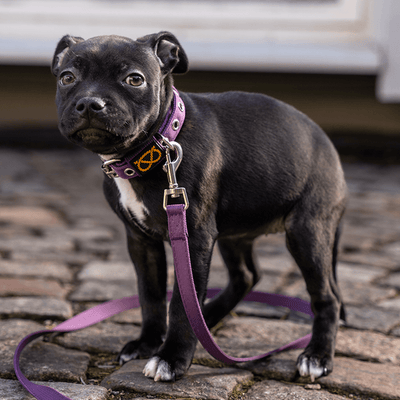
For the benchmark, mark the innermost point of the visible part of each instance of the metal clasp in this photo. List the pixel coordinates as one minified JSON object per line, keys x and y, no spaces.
{"x":108,"y":170}
{"x":170,"y":167}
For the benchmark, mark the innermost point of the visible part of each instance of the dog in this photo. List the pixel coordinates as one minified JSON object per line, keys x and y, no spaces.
{"x":252,"y":166}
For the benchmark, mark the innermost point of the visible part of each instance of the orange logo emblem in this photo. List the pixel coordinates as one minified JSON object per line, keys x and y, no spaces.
{"x":148,"y":159}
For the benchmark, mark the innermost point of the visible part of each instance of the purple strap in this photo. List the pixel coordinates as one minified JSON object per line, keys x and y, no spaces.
{"x":180,"y":247}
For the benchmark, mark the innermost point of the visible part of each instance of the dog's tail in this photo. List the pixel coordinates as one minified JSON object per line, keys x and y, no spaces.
{"x":334,"y":263}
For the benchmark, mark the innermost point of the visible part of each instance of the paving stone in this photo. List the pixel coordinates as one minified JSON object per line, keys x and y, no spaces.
{"x":349,"y":376}
{"x":102,"y":250}
{"x":358,"y":273}
{"x":251,"y":309}
{"x":357,"y":293}
{"x":13,"y":390}
{"x":14,"y":231}
{"x":372,"y":318}
{"x":380,"y":260}
{"x":133,"y":316}
{"x":17,"y":329}
{"x":97,"y":234}
{"x":296,"y":289}
{"x":38,"y":245}
{"x":36,"y":269}
{"x":248,"y":336}
{"x":278,"y":264}
{"x":107,"y":271}
{"x":31,"y":287}
{"x":273,"y":390}
{"x":44,"y":361}
{"x":30,"y":216}
{"x":103,"y":291}
{"x":35,"y":307}
{"x":218,"y":277}
{"x":75,"y":259}
{"x":392,"y":280}
{"x":393,"y":304}
{"x":392,"y":249}
{"x":366,"y":345}
{"x":198,"y":383}
{"x":353,"y":283}
{"x":396,"y":331}
{"x":271,"y":245}
{"x":269,"y":283}
{"x":357,"y":238}
{"x":280,"y":366}
{"x":105,"y":337}
{"x":370,"y":379}
{"x":372,"y":178}
{"x":216,"y":259}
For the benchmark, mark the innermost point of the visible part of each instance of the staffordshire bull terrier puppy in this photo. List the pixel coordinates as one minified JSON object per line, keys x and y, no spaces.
{"x":252,"y":166}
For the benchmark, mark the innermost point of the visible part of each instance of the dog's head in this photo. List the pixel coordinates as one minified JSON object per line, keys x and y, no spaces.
{"x":113,"y":90}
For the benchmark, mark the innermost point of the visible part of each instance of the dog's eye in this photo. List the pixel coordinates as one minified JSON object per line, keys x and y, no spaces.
{"x":134,"y":80}
{"x":67,"y":79}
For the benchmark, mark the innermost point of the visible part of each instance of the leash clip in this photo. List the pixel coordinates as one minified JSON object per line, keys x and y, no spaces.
{"x":170,"y":167}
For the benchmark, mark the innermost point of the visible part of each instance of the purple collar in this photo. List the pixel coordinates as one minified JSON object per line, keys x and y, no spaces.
{"x":145,"y":159}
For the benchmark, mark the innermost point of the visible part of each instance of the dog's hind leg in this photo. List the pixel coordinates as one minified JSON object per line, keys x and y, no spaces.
{"x":312,"y":240}
{"x":243,"y":275}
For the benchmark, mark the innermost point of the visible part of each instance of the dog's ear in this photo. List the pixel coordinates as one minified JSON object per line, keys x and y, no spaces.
{"x":61,"y":50}
{"x":170,"y":54}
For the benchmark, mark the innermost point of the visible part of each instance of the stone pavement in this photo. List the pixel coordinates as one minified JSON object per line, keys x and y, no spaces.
{"x":62,"y":250}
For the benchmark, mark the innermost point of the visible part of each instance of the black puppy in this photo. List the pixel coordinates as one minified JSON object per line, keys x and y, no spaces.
{"x":252,"y":165}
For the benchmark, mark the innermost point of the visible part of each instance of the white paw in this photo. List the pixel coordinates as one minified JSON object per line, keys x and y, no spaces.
{"x":158,"y":369}
{"x":311,"y":368}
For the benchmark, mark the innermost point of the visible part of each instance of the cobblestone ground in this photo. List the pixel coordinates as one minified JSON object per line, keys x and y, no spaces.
{"x":62,"y":250}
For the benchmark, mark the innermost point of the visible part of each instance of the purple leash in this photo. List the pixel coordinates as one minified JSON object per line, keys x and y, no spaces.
{"x":180,"y":247}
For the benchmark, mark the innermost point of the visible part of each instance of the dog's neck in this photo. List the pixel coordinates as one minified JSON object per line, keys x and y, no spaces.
{"x":144,"y":158}
{"x":166,"y":98}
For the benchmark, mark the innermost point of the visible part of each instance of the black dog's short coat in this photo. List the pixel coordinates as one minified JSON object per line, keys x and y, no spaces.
{"x":252,"y":165}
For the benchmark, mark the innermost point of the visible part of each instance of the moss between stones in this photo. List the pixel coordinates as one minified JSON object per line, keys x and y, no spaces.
{"x":241,"y":389}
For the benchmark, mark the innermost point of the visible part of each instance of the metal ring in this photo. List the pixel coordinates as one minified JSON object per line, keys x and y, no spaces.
{"x":129,"y":171}
{"x":181,"y":106}
{"x":175,"y":124}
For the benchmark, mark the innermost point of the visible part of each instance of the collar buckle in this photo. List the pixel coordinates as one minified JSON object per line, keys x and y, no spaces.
{"x":106,"y":167}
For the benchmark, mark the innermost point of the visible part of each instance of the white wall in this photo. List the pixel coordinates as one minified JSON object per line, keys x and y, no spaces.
{"x":342,"y":36}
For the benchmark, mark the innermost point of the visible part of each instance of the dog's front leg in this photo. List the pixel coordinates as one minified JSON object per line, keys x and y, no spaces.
{"x":175,"y":356}
{"x":148,"y":256}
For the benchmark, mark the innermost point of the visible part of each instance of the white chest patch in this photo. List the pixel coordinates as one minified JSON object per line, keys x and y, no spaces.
{"x":129,"y":200}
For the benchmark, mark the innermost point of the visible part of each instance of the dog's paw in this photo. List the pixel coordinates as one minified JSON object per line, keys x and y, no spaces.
{"x":314,"y":366}
{"x":159,"y":370}
{"x":137,"y":349}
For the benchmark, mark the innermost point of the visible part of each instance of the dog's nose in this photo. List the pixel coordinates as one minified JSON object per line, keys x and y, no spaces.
{"x":90,"y":104}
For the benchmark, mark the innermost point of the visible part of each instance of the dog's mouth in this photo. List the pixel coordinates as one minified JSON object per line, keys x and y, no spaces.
{"x":101,"y":141}
{"x":97,"y":140}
